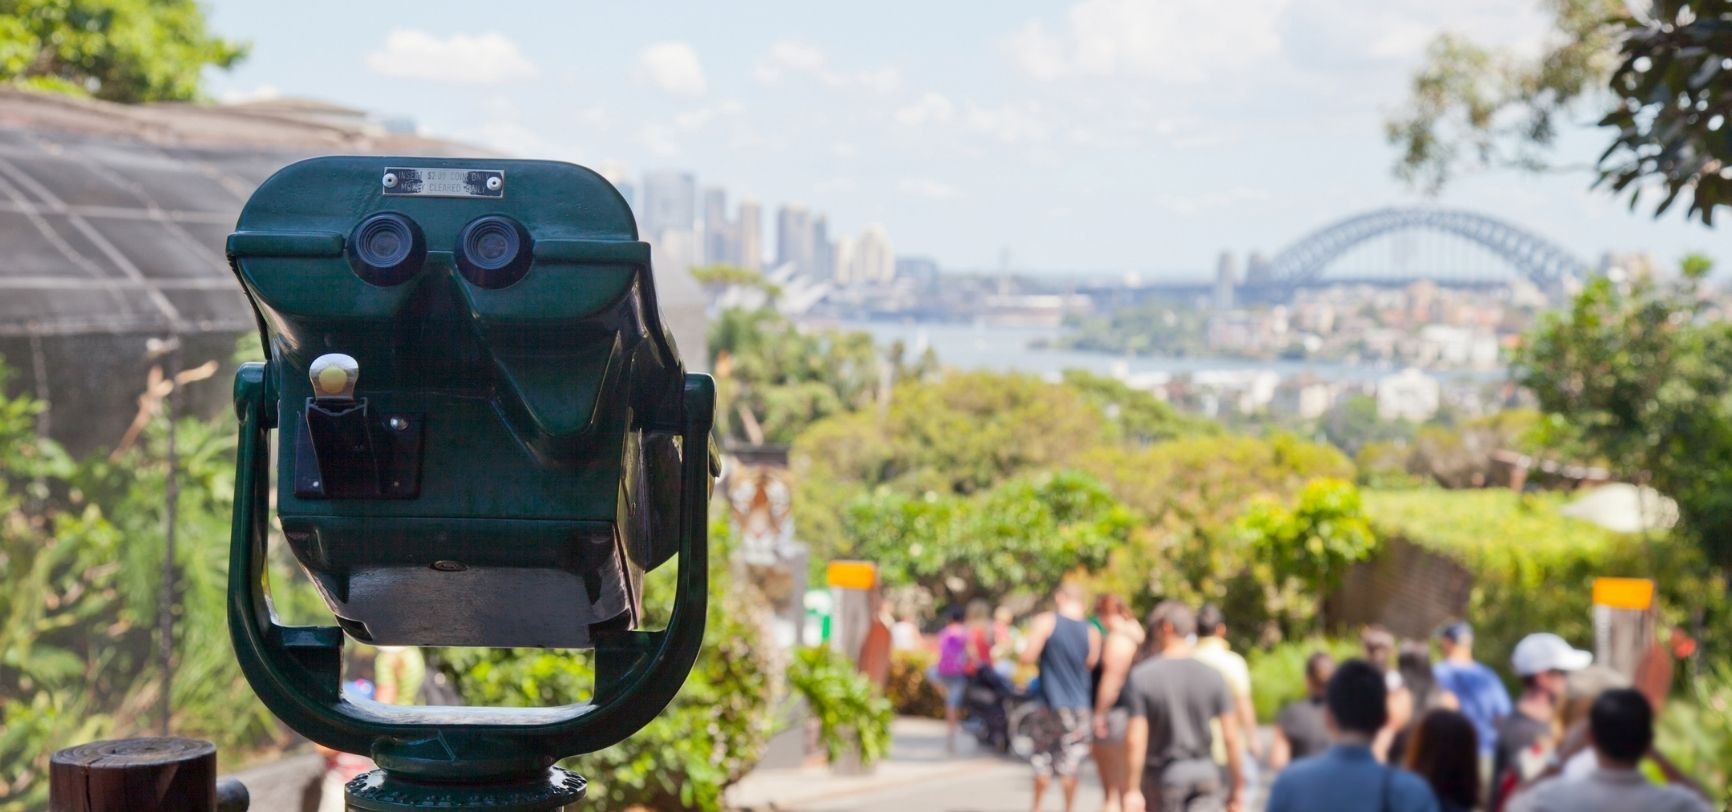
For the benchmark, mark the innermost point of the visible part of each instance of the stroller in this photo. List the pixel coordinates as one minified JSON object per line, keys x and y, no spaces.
{"x":992,"y":706}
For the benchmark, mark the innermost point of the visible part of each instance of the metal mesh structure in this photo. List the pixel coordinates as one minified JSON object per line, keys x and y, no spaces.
{"x":112,"y":222}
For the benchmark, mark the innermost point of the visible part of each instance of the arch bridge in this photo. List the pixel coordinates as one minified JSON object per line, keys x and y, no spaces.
{"x":1546,"y":264}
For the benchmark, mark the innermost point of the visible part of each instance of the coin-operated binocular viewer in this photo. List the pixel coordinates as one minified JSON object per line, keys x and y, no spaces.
{"x":484,"y":438}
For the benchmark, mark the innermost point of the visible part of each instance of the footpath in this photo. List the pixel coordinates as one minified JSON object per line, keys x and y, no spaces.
{"x":918,"y":776}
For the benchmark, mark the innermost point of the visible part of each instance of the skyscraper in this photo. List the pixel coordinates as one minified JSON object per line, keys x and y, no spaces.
{"x":669,"y":203}
{"x":718,"y":232}
{"x":842,"y":261}
{"x":749,"y":236}
{"x":1226,"y":281}
{"x":874,"y":261}
{"x":794,"y":238}
{"x":822,"y":266}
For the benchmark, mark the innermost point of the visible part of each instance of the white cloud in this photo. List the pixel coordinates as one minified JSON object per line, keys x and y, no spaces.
{"x":928,"y":188}
{"x":788,"y":56}
{"x":1349,"y":34}
{"x":844,"y":149}
{"x":673,"y":67}
{"x":1168,"y":41}
{"x":931,"y":107}
{"x":462,"y":59}
{"x":794,"y":58}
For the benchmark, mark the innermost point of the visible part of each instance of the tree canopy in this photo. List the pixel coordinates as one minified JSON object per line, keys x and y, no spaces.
{"x":1659,"y":80}
{"x":1636,"y":374}
{"x":1025,"y":535}
{"x":118,"y":50}
{"x":775,"y":379}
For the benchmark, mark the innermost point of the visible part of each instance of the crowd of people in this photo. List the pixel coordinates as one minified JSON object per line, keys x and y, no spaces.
{"x":1163,"y":708}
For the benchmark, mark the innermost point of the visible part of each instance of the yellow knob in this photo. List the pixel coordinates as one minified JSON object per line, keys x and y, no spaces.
{"x":333,"y":376}
{"x":333,"y":381}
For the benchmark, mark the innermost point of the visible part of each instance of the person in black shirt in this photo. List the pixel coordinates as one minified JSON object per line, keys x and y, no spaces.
{"x":1299,"y":729}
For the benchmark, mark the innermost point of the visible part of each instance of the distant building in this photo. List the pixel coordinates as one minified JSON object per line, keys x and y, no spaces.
{"x":669,"y":203}
{"x":1408,"y":395}
{"x":749,"y":236}
{"x":842,"y":261}
{"x":794,"y":238}
{"x":874,"y":261}
{"x":922,"y":271}
{"x":1305,"y":397}
{"x":1257,"y":270}
{"x":719,"y":240}
{"x":1226,"y":279}
{"x":822,"y":267}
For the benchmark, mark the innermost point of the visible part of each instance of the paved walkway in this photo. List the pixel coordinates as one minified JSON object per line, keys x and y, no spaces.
{"x":919,"y":776}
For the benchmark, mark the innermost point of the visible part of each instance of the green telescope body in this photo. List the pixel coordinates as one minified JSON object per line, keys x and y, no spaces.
{"x":484,"y":436}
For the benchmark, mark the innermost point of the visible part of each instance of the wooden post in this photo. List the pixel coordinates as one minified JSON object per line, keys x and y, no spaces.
{"x":134,"y":775}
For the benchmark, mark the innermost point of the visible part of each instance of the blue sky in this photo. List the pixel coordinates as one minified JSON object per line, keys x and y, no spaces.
{"x":1106,"y":135}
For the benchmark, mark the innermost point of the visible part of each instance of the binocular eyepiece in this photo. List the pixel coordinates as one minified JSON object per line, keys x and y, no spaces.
{"x":492,"y":251}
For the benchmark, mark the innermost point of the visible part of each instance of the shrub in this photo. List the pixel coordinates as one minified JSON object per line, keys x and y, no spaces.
{"x":81,"y":545}
{"x":1278,"y":672}
{"x":909,"y":691}
{"x":709,"y":737}
{"x":1533,"y":568}
{"x":851,"y":716}
{"x":1021,"y":536}
{"x":1695,"y":730}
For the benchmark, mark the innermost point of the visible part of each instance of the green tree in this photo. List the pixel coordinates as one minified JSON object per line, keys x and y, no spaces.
{"x":1153,"y":328}
{"x":1658,"y":81}
{"x":80,"y":589}
{"x":1354,"y":423}
{"x":118,"y":50}
{"x":1641,"y":379}
{"x":1136,"y":416}
{"x":1021,"y":536}
{"x":774,"y":379}
{"x":957,"y":435}
{"x":1303,"y":551}
{"x":1186,"y":495}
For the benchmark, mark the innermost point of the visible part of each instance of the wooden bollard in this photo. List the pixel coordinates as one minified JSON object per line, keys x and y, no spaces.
{"x":134,"y":775}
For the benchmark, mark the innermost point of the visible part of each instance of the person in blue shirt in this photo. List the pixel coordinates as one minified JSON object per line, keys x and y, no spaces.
{"x":1479,"y":693}
{"x":1347,"y":777}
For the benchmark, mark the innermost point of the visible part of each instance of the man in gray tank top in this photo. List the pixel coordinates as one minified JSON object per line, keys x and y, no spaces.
{"x":1066,"y":646}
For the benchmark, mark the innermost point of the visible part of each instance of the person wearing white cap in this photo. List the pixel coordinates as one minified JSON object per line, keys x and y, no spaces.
{"x":1543,"y":661}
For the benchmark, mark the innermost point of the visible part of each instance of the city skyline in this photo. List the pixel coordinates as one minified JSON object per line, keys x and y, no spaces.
{"x":1109,"y":136}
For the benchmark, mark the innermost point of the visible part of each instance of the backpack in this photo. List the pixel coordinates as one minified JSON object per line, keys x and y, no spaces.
{"x":953,"y":652}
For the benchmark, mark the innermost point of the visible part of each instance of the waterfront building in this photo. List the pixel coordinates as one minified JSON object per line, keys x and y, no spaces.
{"x":749,"y":236}
{"x":1408,"y":395}
{"x":669,"y":203}
{"x":794,"y":238}
{"x":719,"y":239}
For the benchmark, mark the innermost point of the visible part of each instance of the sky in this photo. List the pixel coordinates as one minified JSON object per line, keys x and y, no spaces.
{"x":1101,"y":136}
